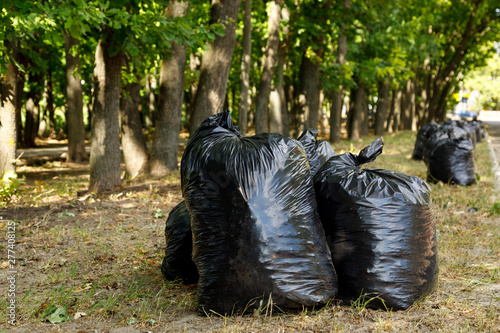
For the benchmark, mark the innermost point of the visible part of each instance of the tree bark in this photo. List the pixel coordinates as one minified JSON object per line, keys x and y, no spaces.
{"x":74,"y":111}
{"x":33,"y":108}
{"x":105,"y":141}
{"x":168,"y":123}
{"x":359,"y":120}
{"x":49,"y":89}
{"x":396,"y":109}
{"x":268,"y":67}
{"x":336,"y":109}
{"x":246,"y":58}
{"x":215,"y":64}
{"x":150,"y":103}
{"x":309,"y":92}
{"x":135,"y":152}
{"x":383,"y":105}
{"x":8,"y":128}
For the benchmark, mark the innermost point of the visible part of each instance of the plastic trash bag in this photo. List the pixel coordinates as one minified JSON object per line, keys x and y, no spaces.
{"x":452,"y":161}
{"x":256,"y":231}
{"x":423,"y":135}
{"x":318,"y":151}
{"x":380,"y":229}
{"x":177,"y":262}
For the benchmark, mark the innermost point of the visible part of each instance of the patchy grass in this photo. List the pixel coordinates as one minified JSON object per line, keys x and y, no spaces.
{"x":100,"y":256}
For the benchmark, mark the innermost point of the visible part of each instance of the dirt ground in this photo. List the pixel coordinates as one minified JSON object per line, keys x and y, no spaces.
{"x":100,"y":256}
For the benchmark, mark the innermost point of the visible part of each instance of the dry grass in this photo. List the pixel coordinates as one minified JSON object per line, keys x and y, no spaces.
{"x":101,"y":255}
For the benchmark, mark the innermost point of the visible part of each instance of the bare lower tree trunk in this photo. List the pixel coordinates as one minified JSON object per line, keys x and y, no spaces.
{"x":168,"y":122}
{"x":359,"y":114}
{"x":383,"y":105}
{"x":33,"y":108}
{"x":74,"y":111}
{"x":246,"y":58}
{"x":49,"y":89}
{"x":310,"y":87}
{"x":105,"y":140}
{"x":268,"y":66}
{"x":135,"y":152}
{"x":336,"y":109}
{"x":150,"y":100}
{"x":8,"y":128}
{"x":21,"y":79}
{"x":215,"y":64}
{"x":396,"y":106}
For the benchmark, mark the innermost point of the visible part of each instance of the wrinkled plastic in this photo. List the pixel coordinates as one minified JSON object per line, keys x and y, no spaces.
{"x":318,"y":151}
{"x":452,"y":162}
{"x":177,"y":262}
{"x":423,"y":135}
{"x":380,"y":230}
{"x":256,"y":231}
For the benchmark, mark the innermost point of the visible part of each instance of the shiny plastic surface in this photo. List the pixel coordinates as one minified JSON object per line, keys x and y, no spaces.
{"x":380,"y":230}
{"x":423,"y":135}
{"x":256,"y":231}
{"x":177,"y":262}
{"x":318,"y":151}
{"x":452,"y":162}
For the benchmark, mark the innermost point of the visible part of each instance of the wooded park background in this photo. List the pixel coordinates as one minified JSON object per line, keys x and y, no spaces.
{"x":128,"y":72}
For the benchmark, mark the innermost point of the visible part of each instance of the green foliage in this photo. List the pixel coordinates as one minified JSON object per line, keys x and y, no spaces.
{"x":486,"y":79}
{"x":55,"y":315}
{"x":9,"y":186}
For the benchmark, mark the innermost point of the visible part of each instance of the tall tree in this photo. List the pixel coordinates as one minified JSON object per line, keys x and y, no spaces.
{"x":105,"y":146}
{"x":168,"y":122}
{"x":269,"y":62}
{"x":135,"y":152}
{"x":383,"y":105}
{"x":8,"y":85}
{"x":216,"y":61}
{"x":74,"y":110}
{"x":246,"y":58}
{"x":337,"y":100}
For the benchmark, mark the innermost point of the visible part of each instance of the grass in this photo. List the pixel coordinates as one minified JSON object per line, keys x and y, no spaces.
{"x":100,"y":255}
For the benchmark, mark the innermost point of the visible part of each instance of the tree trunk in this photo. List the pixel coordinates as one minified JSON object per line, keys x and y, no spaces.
{"x":105,"y":140}
{"x":359,"y":120}
{"x":21,"y":79}
{"x":49,"y":89}
{"x":268,"y":66}
{"x":135,"y":152}
{"x":383,"y":105}
{"x":336,"y":109}
{"x":74,"y":111}
{"x":215,"y":64}
{"x":150,"y":100}
{"x":246,"y":58}
{"x":33,"y":108}
{"x":396,"y":109}
{"x":8,"y":128}
{"x":309,"y":91}
{"x":168,"y":123}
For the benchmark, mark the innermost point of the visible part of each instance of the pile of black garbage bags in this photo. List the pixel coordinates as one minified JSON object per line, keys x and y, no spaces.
{"x":448,"y":150}
{"x":274,"y":221}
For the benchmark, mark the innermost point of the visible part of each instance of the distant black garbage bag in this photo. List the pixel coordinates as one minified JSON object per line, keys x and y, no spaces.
{"x":318,"y":151}
{"x":423,"y":135}
{"x":452,"y":162}
{"x":380,"y":229}
{"x":444,"y":132}
{"x":177,"y":262}
{"x":256,"y":230}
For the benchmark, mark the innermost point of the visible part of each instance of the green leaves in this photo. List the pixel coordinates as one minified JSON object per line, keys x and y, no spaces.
{"x":56,"y":315}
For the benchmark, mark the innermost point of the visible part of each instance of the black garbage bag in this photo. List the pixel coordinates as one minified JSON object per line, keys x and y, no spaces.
{"x":424,"y":133}
{"x":256,"y":231}
{"x":452,"y":162}
{"x":380,"y":229}
{"x":318,"y":151}
{"x":177,"y":262}
{"x":444,"y":132}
